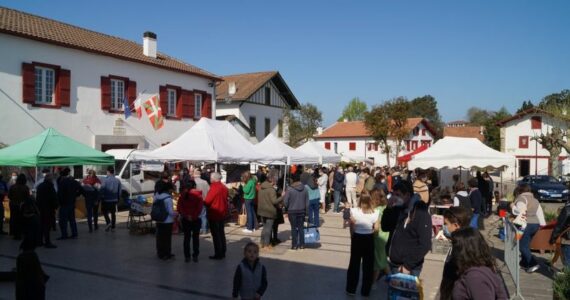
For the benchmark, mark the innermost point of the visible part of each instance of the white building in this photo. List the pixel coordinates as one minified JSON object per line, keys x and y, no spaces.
{"x":58,"y":75}
{"x":516,"y":139}
{"x":255,"y":103}
{"x":352,"y":139}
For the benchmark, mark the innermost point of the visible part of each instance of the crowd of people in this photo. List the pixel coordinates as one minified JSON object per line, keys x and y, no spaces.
{"x":386,"y":209}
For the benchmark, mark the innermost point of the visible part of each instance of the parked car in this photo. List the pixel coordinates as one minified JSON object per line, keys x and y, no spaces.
{"x":547,"y":187}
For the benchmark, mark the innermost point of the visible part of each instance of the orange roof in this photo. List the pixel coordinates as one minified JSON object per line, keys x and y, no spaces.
{"x":357,"y":129}
{"x":466,"y":132}
{"x":45,"y":30}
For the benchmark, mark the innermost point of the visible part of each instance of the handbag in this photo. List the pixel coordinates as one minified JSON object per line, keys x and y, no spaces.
{"x":312,"y":235}
{"x":242,"y":217}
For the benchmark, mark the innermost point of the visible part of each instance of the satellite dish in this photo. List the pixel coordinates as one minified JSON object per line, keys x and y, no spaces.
{"x":232,"y":88}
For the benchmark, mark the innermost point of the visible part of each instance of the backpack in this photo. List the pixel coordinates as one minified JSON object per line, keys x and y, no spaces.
{"x":159,"y":212}
{"x":464,"y":202}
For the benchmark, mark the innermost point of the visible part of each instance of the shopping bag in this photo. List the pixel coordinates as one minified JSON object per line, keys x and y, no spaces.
{"x":404,"y":287}
{"x":242,"y":217}
{"x":312,"y":235}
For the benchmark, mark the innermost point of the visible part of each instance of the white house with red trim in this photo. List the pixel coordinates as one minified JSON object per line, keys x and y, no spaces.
{"x":516,"y":139}
{"x":352,"y":139}
{"x":58,"y":75}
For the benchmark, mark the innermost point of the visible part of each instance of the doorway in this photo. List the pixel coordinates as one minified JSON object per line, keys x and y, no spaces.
{"x":524,"y":167}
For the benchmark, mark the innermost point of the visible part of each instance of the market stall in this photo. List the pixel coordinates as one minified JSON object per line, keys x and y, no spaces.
{"x":272,"y":144}
{"x":325,"y":156}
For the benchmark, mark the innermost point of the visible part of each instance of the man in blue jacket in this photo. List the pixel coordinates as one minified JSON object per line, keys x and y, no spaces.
{"x":111,"y":191}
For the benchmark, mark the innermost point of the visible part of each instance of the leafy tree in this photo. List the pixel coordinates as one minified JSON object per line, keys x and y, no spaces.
{"x":377,"y":122}
{"x":478,"y":116}
{"x":397,"y":109}
{"x":492,"y":131}
{"x":526,"y":105}
{"x":302,"y":123}
{"x":354,"y":110}
{"x":426,"y":107}
{"x":557,"y":101}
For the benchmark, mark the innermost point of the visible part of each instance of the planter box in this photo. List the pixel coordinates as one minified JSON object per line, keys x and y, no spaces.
{"x":540,"y":241}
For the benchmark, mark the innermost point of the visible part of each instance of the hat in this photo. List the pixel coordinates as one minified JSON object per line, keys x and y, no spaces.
{"x":197,"y":173}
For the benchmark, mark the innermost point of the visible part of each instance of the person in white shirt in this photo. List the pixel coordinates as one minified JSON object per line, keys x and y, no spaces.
{"x":322,"y":182}
{"x":203,"y":186}
{"x":350,"y":182}
{"x":363,"y":220}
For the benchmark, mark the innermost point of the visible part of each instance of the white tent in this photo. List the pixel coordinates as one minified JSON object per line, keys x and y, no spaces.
{"x":455,"y":152}
{"x":355,"y":159}
{"x":325,"y":156}
{"x":211,"y":141}
{"x":272,"y":144}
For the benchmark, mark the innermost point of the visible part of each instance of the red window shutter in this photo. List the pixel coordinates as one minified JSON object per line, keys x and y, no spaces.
{"x":163,"y":100}
{"x":351,"y":146}
{"x":131,"y":92}
{"x":328,"y":145}
{"x":179,"y":103}
{"x":28,"y":83}
{"x":207,"y":105}
{"x":407,"y":145}
{"x":536,"y":122}
{"x":185,"y":102}
{"x":63,"y":88}
{"x":105,"y":93}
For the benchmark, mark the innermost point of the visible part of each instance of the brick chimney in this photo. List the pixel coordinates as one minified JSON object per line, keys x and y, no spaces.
{"x":149,"y":44}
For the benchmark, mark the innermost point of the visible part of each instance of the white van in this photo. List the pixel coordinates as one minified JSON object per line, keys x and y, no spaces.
{"x":137,"y":177}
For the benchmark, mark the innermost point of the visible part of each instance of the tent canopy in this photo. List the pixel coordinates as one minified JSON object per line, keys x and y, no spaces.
{"x":211,"y":141}
{"x":455,"y":152}
{"x":325,"y":156}
{"x":272,"y":144}
{"x":51,"y":148}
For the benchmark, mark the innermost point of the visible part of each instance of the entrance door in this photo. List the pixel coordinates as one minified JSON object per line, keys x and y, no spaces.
{"x":524,"y":167}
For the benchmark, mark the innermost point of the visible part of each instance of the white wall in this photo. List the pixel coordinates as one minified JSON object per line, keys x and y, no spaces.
{"x":522,"y":127}
{"x":84,"y":118}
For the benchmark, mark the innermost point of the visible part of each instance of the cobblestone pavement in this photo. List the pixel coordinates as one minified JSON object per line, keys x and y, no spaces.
{"x":123,"y":266}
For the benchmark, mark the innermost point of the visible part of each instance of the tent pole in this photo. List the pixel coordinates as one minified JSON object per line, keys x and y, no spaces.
{"x":285,"y":177}
{"x":131,"y":180}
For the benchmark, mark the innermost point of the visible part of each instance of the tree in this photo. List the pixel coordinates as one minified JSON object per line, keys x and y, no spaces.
{"x":426,"y":107}
{"x":377,"y":122}
{"x":302,"y":123}
{"x":526,"y":105}
{"x":354,"y":110}
{"x":397,"y":109}
{"x":478,"y":116}
{"x":492,"y":131}
{"x":557,"y":101}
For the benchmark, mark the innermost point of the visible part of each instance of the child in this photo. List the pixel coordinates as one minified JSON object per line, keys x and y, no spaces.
{"x":250,"y":279}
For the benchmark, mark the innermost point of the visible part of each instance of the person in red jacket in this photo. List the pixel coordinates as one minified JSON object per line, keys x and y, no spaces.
{"x":217,"y":204}
{"x":189,"y":208}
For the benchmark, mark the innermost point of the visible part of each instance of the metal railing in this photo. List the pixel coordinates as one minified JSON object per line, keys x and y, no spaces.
{"x":512,"y":255}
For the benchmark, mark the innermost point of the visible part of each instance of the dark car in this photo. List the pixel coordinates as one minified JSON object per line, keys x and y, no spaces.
{"x":547,"y":187}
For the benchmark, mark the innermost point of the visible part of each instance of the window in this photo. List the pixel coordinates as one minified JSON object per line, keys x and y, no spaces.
{"x":423,"y":132}
{"x":407,"y":145}
{"x":44,"y":85}
{"x":352,"y":146}
{"x":267,"y":96}
{"x":414,"y":145}
{"x":171,"y":102}
{"x":197,"y":106}
{"x":536,"y":122}
{"x":280,"y":129}
{"x":267,"y":126}
{"x":336,"y":147}
{"x":523,"y":142}
{"x":416,"y":131}
{"x":252,"y":126}
{"x":328,"y":145}
{"x":117,"y":94}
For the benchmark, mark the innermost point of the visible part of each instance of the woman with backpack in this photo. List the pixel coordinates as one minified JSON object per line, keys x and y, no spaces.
{"x":163,"y":214}
{"x":314,"y":202}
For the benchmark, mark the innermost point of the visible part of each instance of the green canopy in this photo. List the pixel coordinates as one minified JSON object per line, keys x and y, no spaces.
{"x":51,"y":148}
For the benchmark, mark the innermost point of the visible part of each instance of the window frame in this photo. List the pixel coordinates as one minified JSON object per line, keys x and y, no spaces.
{"x":267,"y":126}
{"x":252,"y":128}
{"x":114,"y":86}
{"x":44,"y":85}
{"x":351,"y":146}
{"x":523,"y":141}
{"x":172,"y":99}
{"x":198,"y":102}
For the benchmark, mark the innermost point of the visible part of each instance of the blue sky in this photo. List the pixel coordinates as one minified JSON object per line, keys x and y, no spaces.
{"x":464,"y":53}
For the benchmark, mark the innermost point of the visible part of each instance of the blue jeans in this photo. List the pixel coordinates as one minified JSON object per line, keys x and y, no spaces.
{"x":527,"y":259}
{"x":297,"y":232}
{"x":67,"y":215}
{"x":204,"y":220}
{"x":474,"y":221}
{"x":250,"y":211}
{"x":336,"y":195}
{"x":314,"y":213}
{"x":395,"y":269}
{"x":566,"y":255}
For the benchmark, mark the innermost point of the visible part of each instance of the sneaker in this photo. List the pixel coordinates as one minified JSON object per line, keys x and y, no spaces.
{"x":533,"y":269}
{"x":247,"y":231}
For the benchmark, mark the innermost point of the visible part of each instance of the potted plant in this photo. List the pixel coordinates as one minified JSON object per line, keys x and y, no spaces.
{"x":561,"y":285}
{"x":540,"y":241}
